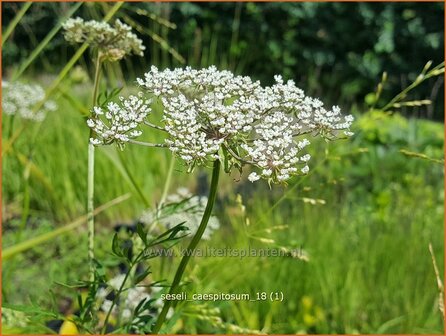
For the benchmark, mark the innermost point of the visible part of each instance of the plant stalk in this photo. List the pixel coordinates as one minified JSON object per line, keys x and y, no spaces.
{"x":15,"y":21}
{"x":168,"y":181}
{"x":90,"y":181}
{"x":192,"y":245}
{"x":115,"y":299}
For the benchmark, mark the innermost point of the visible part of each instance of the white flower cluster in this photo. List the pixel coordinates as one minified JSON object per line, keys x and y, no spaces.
{"x":274,"y":150}
{"x":113,"y":43}
{"x":119,"y":122}
{"x":210,"y":114}
{"x":187,"y":209}
{"x":203,"y":108}
{"x":21,"y":99}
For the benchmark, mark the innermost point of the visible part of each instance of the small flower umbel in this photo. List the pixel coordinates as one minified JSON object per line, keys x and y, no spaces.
{"x":212,"y":116}
{"x":113,"y":43}
{"x":120,"y":122}
{"x":20,"y":99}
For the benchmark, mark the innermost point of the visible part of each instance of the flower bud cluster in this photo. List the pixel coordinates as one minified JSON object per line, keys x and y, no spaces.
{"x":113,"y":43}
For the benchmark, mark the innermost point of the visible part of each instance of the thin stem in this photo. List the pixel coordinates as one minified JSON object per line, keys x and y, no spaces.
{"x":192,"y":245}
{"x":121,"y":288}
{"x":11,"y":126}
{"x":90,"y":208}
{"x":132,"y":179}
{"x":104,"y":327}
{"x":154,"y":126}
{"x":147,"y":144}
{"x":15,"y":21}
{"x":26,"y":202}
{"x":90,"y":181}
{"x":96,"y":77}
{"x":414,"y":84}
{"x":165,"y":191}
{"x":238,"y":157}
{"x":168,"y":181}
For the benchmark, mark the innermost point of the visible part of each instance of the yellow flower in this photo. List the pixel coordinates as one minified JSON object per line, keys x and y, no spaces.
{"x":68,"y":327}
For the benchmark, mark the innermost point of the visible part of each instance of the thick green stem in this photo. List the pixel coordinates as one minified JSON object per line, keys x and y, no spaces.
{"x":90,"y":181}
{"x":192,"y":245}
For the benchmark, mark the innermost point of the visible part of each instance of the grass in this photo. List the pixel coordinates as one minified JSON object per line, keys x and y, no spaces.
{"x":369,"y":267}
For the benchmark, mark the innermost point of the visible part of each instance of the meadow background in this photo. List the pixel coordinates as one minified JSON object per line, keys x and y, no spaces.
{"x":364,"y":216}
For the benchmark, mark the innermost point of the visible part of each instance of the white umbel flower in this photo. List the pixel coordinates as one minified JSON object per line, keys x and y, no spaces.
{"x":21,"y":99}
{"x":210,"y":114}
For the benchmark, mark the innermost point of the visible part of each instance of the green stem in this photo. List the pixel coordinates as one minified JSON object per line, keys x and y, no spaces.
{"x":117,"y":295}
{"x":26,"y":202}
{"x":15,"y":21}
{"x":192,"y":245}
{"x":166,"y":188}
{"x":132,"y":178}
{"x":96,"y":77}
{"x":90,"y":181}
{"x":130,"y":272}
{"x":90,"y":208}
{"x":11,"y":126}
{"x":168,"y":181}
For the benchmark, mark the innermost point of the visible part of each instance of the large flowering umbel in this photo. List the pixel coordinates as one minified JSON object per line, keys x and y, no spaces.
{"x":210,"y":114}
{"x":113,"y":43}
{"x":20,"y":99}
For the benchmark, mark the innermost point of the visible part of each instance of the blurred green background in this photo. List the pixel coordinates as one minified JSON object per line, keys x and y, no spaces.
{"x":332,"y":49}
{"x":365,"y":215}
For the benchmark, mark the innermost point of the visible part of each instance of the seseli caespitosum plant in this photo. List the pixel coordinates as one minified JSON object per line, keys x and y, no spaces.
{"x":109,"y":44}
{"x":213,"y":117}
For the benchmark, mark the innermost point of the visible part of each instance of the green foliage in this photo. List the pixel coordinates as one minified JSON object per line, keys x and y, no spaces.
{"x":312,"y":43}
{"x":362,"y":220}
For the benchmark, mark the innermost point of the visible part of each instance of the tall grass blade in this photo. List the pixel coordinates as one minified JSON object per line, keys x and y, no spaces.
{"x":36,"y":241}
{"x":15,"y":22}
{"x":36,"y":52}
{"x":155,"y":37}
{"x":35,"y":172}
{"x":118,"y":161}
